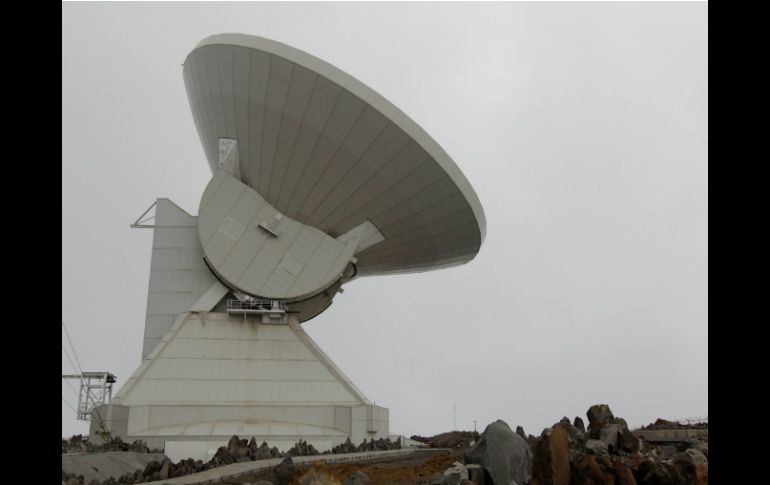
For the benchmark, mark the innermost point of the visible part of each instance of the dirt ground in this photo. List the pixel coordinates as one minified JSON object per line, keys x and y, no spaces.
{"x":417,"y":468}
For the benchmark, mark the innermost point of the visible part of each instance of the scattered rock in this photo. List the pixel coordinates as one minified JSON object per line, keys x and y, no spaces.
{"x":576,"y":435}
{"x":702,"y":474}
{"x":567,"y":453}
{"x":667,"y":452}
{"x":609,"y":433}
{"x":628,"y":442}
{"x":587,"y":471}
{"x":264,"y":452}
{"x":81,"y":444}
{"x":233,"y":444}
{"x":703,"y":447}
{"x":164,"y":469}
{"x":651,"y":471}
{"x":302,"y":448}
{"x":252,"y":446}
{"x":358,"y":478}
{"x":151,"y":468}
{"x":475,"y":474}
{"x":315,"y":477}
{"x":441,"y":479}
{"x":285,"y":471}
{"x":597,"y":448}
{"x":578,"y":423}
{"x":346,"y":447}
{"x":664,"y":424}
{"x":454,"y":474}
{"x":691,"y":456}
{"x":623,"y":475}
{"x":453,"y":439}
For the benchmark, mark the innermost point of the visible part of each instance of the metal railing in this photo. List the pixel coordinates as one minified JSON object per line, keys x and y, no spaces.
{"x":257,"y":306}
{"x":698,"y":420}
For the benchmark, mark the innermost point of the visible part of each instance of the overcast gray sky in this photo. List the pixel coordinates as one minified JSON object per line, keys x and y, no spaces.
{"x":583,"y":127}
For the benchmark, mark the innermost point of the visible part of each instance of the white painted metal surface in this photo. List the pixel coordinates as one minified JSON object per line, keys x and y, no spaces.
{"x":211,"y":377}
{"x":206,"y":359}
{"x":256,"y":250}
{"x":178,"y":275}
{"x":327,"y":151}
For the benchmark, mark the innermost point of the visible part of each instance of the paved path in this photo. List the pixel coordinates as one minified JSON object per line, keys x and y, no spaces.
{"x":239,"y":469}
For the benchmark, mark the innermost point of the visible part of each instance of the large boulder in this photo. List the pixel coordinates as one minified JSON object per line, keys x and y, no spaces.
{"x":504,"y":455}
{"x":598,"y":416}
{"x":603,"y":425}
{"x":550,"y":465}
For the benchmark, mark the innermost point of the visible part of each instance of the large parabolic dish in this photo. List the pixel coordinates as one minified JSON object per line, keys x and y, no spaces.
{"x":317,"y":178}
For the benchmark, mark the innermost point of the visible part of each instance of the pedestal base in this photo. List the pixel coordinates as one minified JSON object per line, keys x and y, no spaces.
{"x":210,"y":378}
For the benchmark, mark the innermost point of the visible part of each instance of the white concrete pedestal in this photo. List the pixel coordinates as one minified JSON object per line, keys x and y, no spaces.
{"x":210,"y":378}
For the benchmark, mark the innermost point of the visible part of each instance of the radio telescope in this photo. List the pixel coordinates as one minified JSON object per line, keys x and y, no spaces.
{"x":317,"y":180}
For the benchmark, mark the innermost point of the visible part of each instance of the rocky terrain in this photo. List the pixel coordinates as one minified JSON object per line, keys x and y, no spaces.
{"x":237,"y":450}
{"x":664,"y":424}
{"x":80,"y":444}
{"x":605,"y":452}
{"x":453,"y":439}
